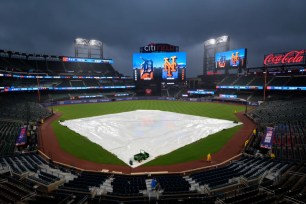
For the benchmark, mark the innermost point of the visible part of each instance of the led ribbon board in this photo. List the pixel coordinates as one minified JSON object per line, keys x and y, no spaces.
{"x":87,"y":60}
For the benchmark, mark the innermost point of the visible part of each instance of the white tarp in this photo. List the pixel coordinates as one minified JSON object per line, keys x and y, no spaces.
{"x":156,"y":132}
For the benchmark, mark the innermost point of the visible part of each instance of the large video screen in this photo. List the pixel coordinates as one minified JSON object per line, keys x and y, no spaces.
{"x":163,"y":66}
{"x":231,"y":59}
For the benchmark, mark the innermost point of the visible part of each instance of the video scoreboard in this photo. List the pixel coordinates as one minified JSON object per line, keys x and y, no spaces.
{"x":159,"y":66}
{"x":233,"y":59}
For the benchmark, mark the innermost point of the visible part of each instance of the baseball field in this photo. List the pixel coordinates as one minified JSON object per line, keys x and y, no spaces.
{"x":81,"y":147}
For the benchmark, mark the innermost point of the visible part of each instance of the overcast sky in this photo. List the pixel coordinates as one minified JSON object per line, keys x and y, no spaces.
{"x":50,"y":27}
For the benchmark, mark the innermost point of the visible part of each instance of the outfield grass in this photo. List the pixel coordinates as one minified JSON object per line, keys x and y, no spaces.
{"x":81,"y":147}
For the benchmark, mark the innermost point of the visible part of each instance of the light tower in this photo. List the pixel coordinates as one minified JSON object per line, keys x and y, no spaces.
{"x":88,"y":48}
{"x":211,"y":47}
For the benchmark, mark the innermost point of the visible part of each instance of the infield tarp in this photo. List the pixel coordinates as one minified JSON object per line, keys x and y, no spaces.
{"x":156,"y":132}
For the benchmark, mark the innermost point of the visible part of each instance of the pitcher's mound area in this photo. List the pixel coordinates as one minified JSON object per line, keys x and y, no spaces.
{"x":153,"y":131}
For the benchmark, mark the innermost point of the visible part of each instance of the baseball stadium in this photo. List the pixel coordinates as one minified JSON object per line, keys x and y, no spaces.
{"x":93,"y":135}
{"x":75,"y":130}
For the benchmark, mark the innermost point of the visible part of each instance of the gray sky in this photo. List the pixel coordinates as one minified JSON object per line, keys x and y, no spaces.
{"x":50,"y":27}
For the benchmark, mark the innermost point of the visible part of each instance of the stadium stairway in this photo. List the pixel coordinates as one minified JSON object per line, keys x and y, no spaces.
{"x":152,"y":194}
{"x":106,"y":187}
{"x":194,"y":186}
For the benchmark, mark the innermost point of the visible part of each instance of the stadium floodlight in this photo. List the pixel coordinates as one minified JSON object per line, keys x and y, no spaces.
{"x":222,"y":39}
{"x":210,"y":42}
{"x":91,"y":47}
{"x":96,"y":43}
{"x":81,"y":41}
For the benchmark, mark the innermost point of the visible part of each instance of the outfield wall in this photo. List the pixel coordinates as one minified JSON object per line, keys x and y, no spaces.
{"x":81,"y":101}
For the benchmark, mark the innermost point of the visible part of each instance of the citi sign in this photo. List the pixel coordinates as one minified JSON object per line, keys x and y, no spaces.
{"x":149,"y":48}
{"x":292,"y":57}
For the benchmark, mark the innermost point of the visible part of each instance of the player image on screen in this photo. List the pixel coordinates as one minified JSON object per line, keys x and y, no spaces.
{"x":147,"y":70}
{"x":222,"y":62}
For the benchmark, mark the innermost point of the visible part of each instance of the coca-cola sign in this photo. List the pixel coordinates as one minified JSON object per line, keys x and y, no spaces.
{"x":292,"y":57}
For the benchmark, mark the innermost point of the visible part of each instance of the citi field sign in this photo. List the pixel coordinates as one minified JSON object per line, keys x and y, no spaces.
{"x":289,"y":58}
{"x":159,"y":47}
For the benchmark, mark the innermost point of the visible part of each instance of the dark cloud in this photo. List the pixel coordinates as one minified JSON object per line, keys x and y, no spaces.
{"x":125,"y":25}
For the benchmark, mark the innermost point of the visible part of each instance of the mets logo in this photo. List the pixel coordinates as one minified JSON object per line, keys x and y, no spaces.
{"x":235,"y":59}
{"x":170,"y":67}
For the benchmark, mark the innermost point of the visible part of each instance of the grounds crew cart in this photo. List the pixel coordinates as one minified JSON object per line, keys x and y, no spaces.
{"x":141,"y":156}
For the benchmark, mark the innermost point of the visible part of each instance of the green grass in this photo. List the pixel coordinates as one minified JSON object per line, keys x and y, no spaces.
{"x":197,"y":150}
{"x":81,"y":147}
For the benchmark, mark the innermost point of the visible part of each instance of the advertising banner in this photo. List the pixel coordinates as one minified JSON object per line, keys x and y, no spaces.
{"x":22,"y":137}
{"x":267,"y":140}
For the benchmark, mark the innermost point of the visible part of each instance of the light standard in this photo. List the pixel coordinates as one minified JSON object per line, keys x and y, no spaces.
{"x":211,"y":47}
{"x":93,"y":48}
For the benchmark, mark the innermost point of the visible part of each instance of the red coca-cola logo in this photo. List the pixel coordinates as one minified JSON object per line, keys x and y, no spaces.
{"x":293,"y":57}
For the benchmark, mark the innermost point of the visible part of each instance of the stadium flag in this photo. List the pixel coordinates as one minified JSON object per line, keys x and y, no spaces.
{"x":208,"y":157}
{"x":268,"y":138}
{"x":22,"y":137}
